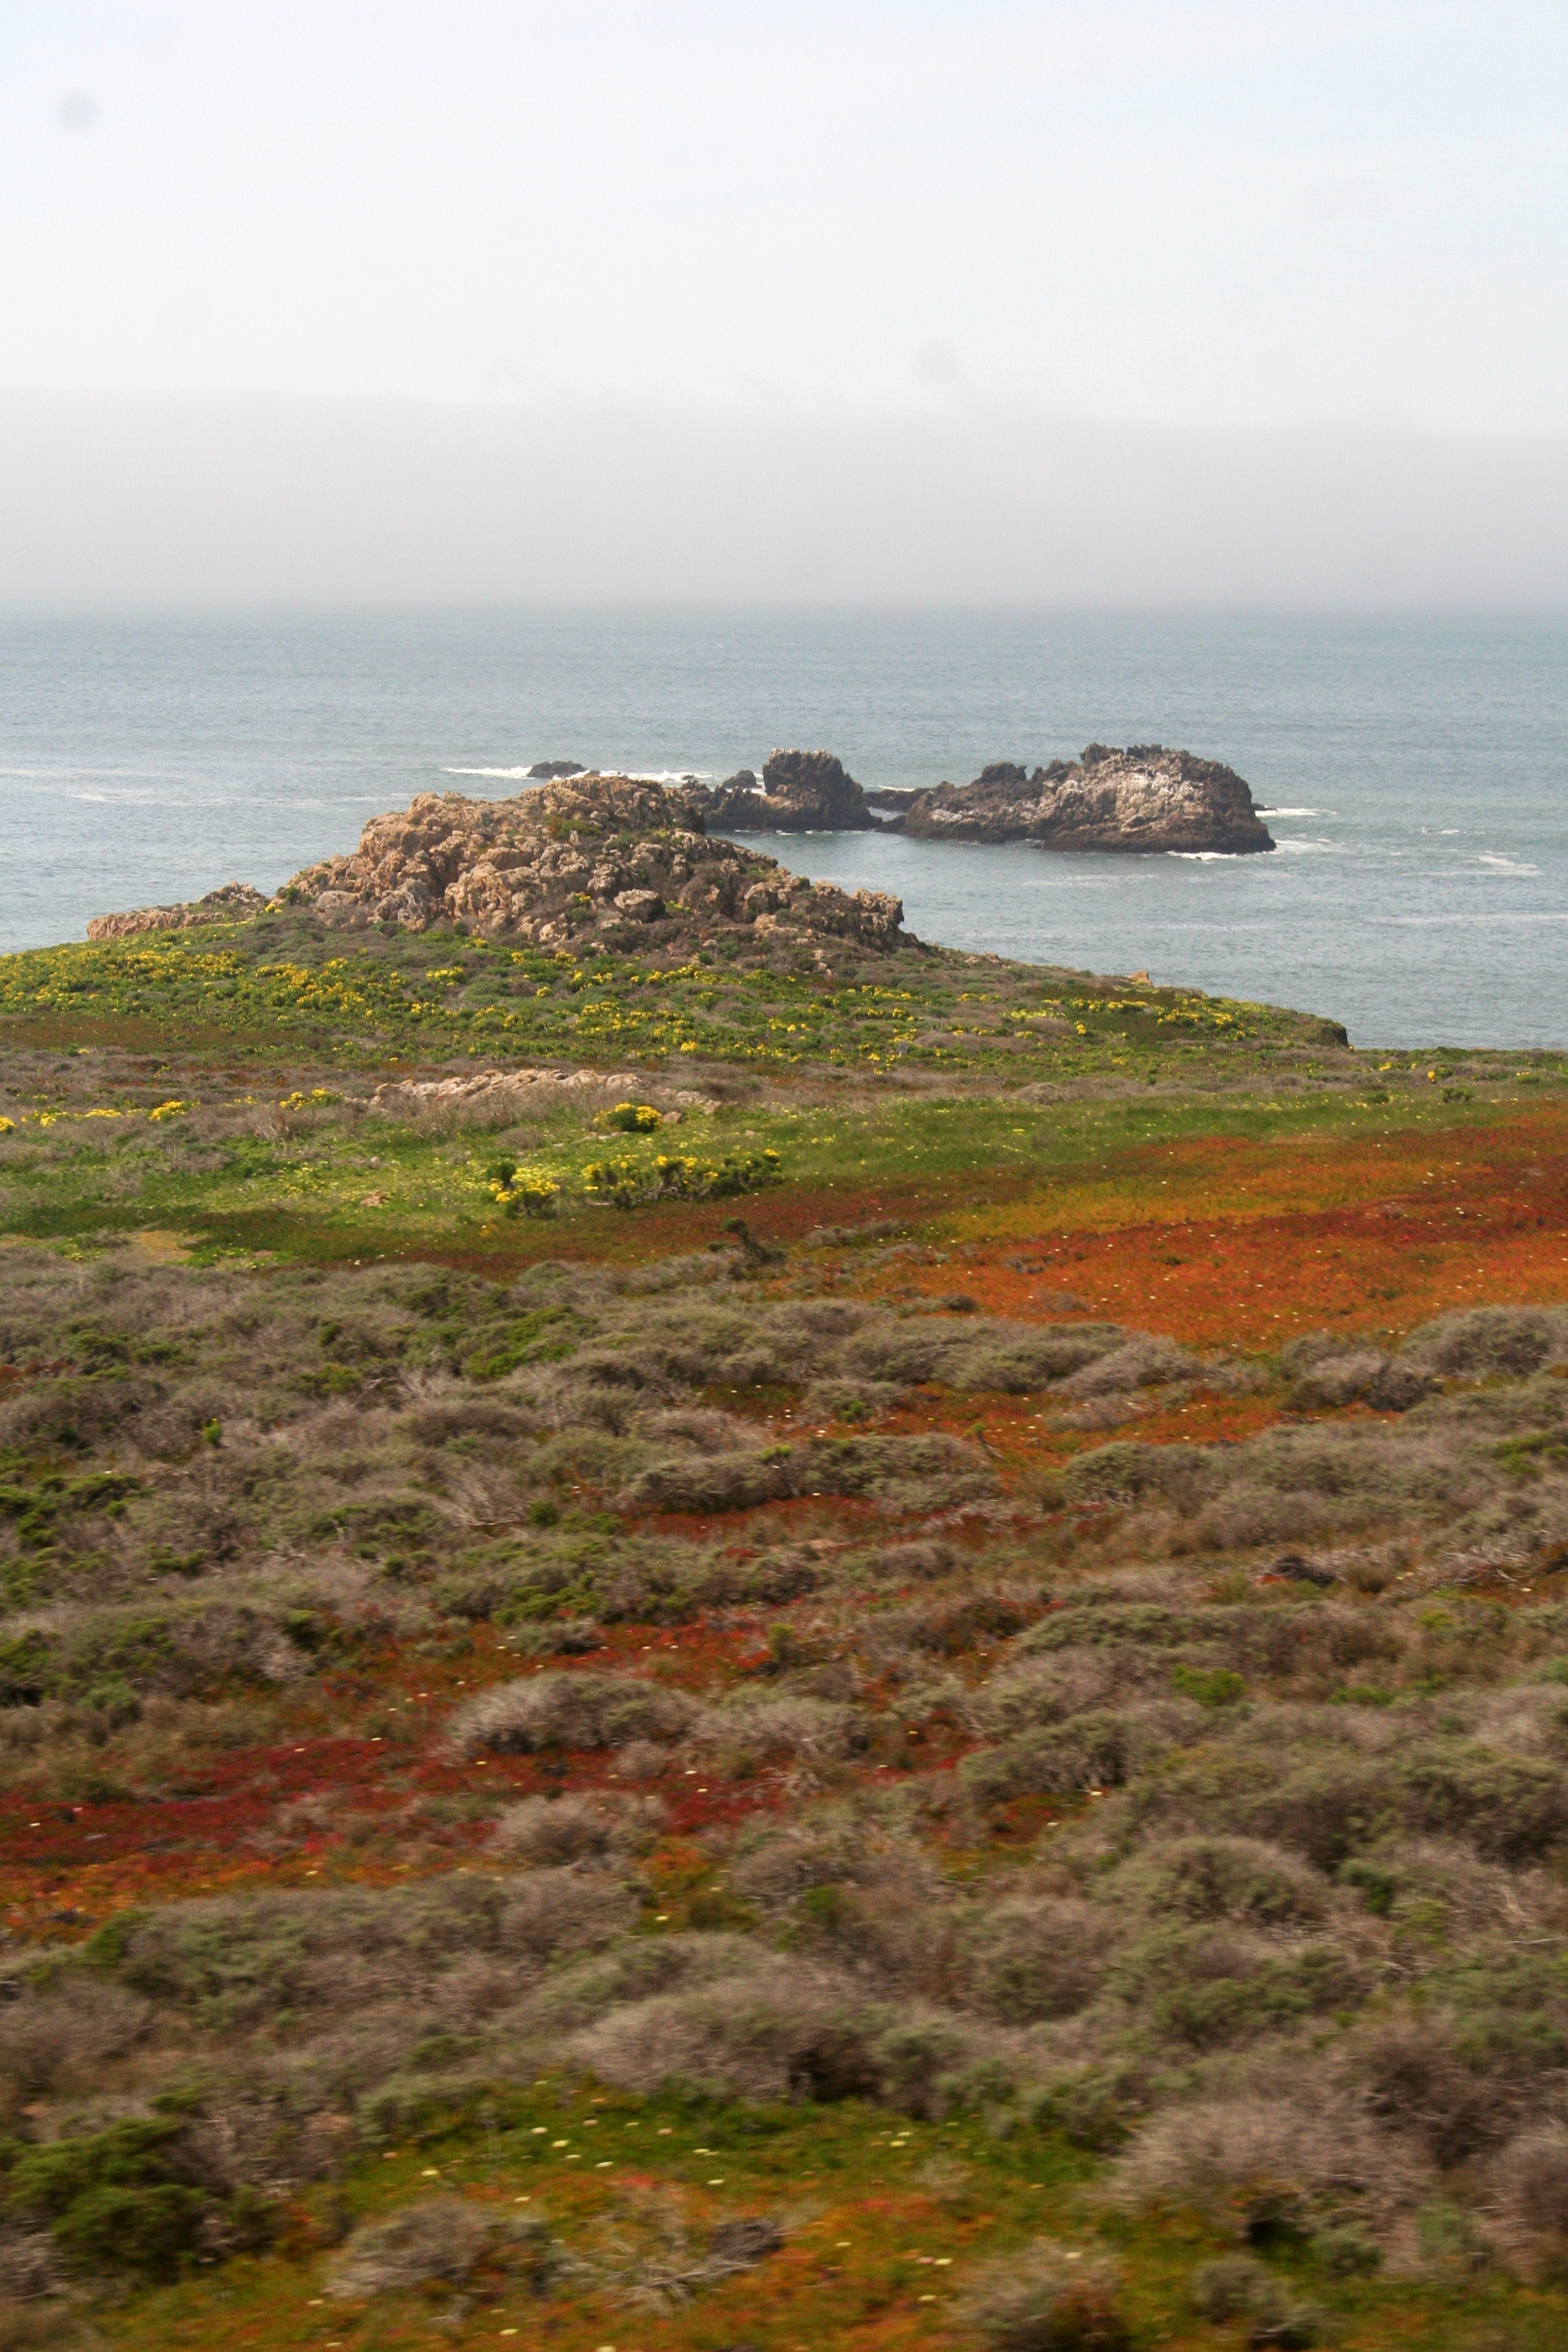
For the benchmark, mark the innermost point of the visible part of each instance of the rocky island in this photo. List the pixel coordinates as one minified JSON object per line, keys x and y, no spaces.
{"x":1142,"y":800}
{"x":802,"y":792}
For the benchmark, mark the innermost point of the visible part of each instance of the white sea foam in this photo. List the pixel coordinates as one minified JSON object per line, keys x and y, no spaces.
{"x":1304,"y":847}
{"x":1264,"y":811}
{"x":1491,"y":918}
{"x":129,"y":799}
{"x":1497,"y":864}
{"x":511,"y":775}
{"x":63,"y":775}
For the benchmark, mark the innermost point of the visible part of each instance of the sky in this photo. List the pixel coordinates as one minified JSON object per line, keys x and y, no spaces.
{"x":860,"y":300}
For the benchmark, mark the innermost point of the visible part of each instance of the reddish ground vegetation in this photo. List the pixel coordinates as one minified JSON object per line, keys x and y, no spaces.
{"x":1254,"y":1241}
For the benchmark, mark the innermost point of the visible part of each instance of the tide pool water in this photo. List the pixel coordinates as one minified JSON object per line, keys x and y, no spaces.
{"x":1415,"y":772}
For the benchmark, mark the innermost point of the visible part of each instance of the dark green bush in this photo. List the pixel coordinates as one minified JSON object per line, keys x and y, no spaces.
{"x":124,"y":2199}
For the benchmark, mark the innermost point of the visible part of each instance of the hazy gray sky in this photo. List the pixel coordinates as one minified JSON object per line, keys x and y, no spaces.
{"x":957,"y":240}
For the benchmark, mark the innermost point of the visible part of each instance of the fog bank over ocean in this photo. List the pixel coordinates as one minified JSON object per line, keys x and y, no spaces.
{"x":250,"y":499}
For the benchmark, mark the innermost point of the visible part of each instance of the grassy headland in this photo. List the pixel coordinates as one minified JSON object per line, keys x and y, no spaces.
{"x":927,"y":1695}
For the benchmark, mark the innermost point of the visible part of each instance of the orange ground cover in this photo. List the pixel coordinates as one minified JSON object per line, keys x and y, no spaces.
{"x":1226,"y":1240}
{"x":1212,"y":1242}
{"x":244,"y":1817}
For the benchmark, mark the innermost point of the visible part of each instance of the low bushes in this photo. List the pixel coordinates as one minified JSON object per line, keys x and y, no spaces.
{"x":1027,"y":1962}
{"x":1049,"y":2298}
{"x":443,"y":2241}
{"x":1264,"y":2166}
{"x":1089,"y":1751}
{"x":136,"y":2198}
{"x":560,"y":1710}
{"x":1292,"y":1967}
{"x":1484,"y":1342}
{"x":1239,"y":2287}
{"x":1530,"y":2185}
{"x":776,"y":2029}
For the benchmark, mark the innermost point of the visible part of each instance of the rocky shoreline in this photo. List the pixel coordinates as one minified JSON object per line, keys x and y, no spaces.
{"x":624,"y":855}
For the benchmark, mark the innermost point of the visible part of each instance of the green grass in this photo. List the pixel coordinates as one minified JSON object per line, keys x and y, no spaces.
{"x":888,"y":2222}
{"x":74,"y":1171}
{"x":281,"y":984}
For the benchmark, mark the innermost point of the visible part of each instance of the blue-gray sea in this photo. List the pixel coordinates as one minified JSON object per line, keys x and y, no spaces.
{"x":1415,"y":772}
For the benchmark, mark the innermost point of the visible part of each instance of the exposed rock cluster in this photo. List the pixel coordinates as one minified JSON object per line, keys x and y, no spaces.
{"x":802,"y":792}
{"x":232,"y":904}
{"x":621,"y":854}
{"x":610,"y":855}
{"x":1145,"y":798}
{"x":512,"y":1094}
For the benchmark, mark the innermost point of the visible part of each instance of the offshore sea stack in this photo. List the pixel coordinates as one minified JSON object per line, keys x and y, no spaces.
{"x":608,"y":856}
{"x":1144,"y":799}
{"x":802,"y":792}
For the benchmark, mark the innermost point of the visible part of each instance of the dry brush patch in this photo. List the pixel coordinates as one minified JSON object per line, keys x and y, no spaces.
{"x":681,"y":1683}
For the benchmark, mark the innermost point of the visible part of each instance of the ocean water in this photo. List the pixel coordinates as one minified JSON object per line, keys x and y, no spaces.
{"x":1415,"y":771}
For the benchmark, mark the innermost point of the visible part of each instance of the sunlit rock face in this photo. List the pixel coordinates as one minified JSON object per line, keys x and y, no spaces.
{"x":802,"y":792}
{"x":1144,"y":799}
{"x":594,"y":853}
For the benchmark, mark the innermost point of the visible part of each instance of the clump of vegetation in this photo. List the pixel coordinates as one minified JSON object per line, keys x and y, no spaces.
{"x":625,"y":1182}
{"x":631,"y":1119}
{"x":442,"y":2243}
{"x":512,"y":1188}
{"x":1239,"y":2287}
{"x":1049,"y":2298}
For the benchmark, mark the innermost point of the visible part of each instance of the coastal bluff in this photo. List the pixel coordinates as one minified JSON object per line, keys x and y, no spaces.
{"x":1143,"y":800}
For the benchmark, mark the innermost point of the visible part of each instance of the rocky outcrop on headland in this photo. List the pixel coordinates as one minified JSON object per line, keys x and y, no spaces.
{"x":606,"y":856}
{"x":1144,"y":799}
{"x":233,"y":903}
{"x":802,"y":792}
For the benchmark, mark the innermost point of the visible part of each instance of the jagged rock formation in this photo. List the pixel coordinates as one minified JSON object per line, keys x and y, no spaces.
{"x":609,"y":856}
{"x":233,"y":903}
{"x":1143,"y":799}
{"x":802,"y":792}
